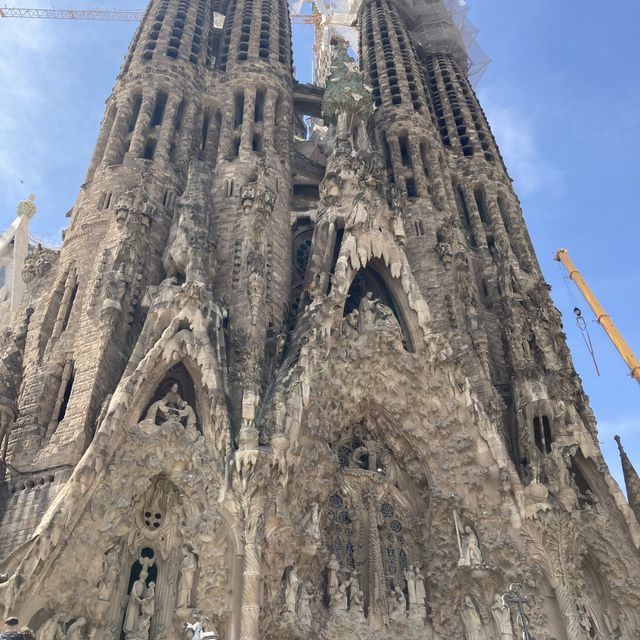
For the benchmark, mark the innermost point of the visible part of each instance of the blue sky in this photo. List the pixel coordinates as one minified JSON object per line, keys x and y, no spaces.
{"x":562,"y":97}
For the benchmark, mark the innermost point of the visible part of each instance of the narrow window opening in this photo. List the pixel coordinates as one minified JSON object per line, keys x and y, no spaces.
{"x":158,"y":110}
{"x":411,"y":188}
{"x":205,"y":132}
{"x":149,"y":149}
{"x":404,"y":151}
{"x":537,"y":433}
{"x":256,"y":143}
{"x":259,"y":107}
{"x":546,"y":427}
{"x":69,"y":308}
{"x":481,"y":202}
{"x":107,"y":203}
{"x":424,"y":156}
{"x":65,"y":398}
{"x":135,"y":110}
{"x":419,"y":228}
{"x":177,"y":123}
{"x":238,"y":110}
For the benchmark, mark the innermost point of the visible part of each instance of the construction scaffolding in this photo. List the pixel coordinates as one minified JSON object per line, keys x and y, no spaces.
{"x":437,"y":26}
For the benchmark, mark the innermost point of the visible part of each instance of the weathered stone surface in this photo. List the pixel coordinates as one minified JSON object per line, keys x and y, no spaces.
{"x":239,"y":405}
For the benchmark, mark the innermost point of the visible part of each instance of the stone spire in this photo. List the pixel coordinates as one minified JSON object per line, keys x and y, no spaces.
{"x":631,"y":479}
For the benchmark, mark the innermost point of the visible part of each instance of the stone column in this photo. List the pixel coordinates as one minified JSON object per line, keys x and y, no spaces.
{"x":186,"y":138}
{"x":115,"y":146}
{"x":246,"y":134}
{"x":251,"y":575}
{"x":396,"y":159}
{"x":268,"y":138}
{"x":167,"y":129}
{"x":103,"y":138}
{"x":474,"y":217}
{"x":142,"y":125}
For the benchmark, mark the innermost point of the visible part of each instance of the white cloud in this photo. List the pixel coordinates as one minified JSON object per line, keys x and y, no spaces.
{"x":517,"y":137}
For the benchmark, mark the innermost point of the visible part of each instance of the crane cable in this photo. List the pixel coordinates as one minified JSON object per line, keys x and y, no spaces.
{"x":580,"y":321}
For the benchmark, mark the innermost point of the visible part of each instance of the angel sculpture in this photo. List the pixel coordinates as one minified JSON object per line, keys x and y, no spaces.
{"x":199,"y":633}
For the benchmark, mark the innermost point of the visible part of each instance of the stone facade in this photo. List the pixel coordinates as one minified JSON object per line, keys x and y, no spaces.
{"x":273,"y":389}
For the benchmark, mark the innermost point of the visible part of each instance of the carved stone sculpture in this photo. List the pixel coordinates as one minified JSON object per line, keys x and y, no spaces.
{"x":305,"y":616}
{"x":471,"y":619}
{"x":52,"y":628}
{"x":471,"y":554}
{"x":187,"y":573}
{"x":291,"y":590}
{"x":333,"y":566}
{"x":134,"y":605}
{"x":502,"y":619}
{"x":397,"y":605}
{"x":172,"y":407}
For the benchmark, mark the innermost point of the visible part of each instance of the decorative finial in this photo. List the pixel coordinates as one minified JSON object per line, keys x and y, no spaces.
{"x":27,"y":208}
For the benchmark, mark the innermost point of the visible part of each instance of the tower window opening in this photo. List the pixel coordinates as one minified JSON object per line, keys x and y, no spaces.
{"x":411,"y":188}
{"x":463,"y":212}
{"x":66,"y":395}
{"x":404,"y":151}
{"x":482,"y":205}
{"x":238,"y":110}
{"x":177,"y":123}
{"x":419,"y":228}
{"x":205,"y":132}
{"x":69,"y":306}
{"x":256,"y":143}
{"x":546,"y":428}
{"x":149,"y":149}
{"x":135,"y":111}
{"x":158,"y":110}
{"x":258,"y":113}
{"x":424,"y":154}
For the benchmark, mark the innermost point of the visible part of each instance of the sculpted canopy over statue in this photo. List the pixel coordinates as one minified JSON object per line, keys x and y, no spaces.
{"x":172,"y":408}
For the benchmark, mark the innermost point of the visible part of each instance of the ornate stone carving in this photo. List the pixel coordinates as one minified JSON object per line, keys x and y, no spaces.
{"x":38,"y":264}
{"x":172,"y":408}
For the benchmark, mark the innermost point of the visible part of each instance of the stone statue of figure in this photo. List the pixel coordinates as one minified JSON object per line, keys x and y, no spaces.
{"x":291,"y":590}
{"x":304,"y":608}
{"x":109,"y":573}
{"x":471,"y":620}
{"x":172,"y":407}
{"x":339,"y":600}
{"x":76,"y":630}
{"x":51,"y":629}
{"x":410,"y":576}
{"x":502,"y":619}
{"x":132,"y":616}
{"x":357,"y":601}
{"x":333,"y":566}
{"x":311,"y":522}
{"x":397,"y":605}
{"x":187,"y":573}
{"x":471,"y":548}
{"x":147,"y":609}
{"x":115,"y":284}
{"x":366,"y":310}
{"x":421,"y":593}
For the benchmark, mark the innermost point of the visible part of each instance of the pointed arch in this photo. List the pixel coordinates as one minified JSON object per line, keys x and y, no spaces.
{"x":377,"y":279}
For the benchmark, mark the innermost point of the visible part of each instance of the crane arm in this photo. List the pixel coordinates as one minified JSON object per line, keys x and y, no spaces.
{"x":133,"y":15}
{"x":602,"y":316}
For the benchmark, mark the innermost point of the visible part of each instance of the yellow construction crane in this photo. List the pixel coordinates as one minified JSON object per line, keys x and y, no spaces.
{"x":602,"y":316}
